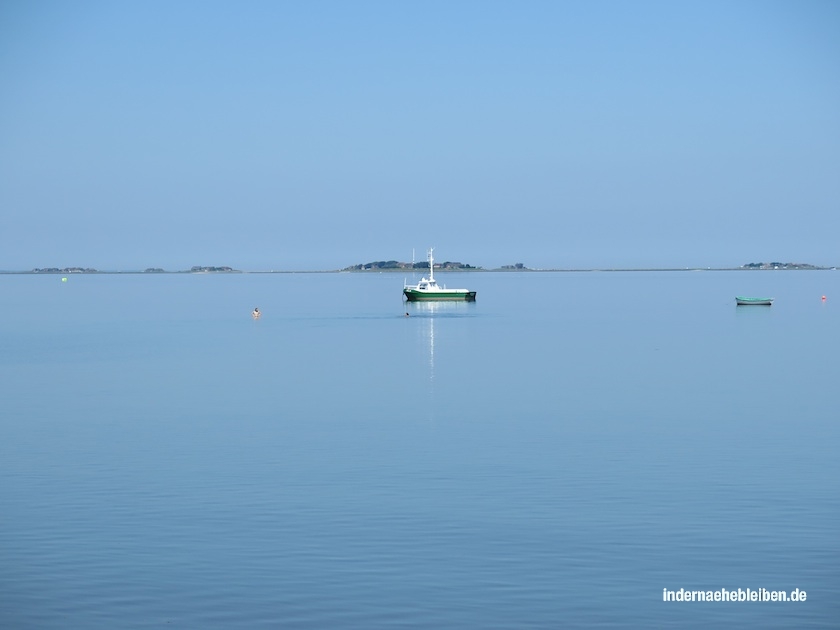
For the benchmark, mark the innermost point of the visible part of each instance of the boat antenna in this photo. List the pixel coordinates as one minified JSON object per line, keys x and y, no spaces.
{"x":431,"y":265}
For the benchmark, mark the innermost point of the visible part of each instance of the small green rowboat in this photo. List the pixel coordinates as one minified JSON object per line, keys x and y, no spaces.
{"x":753,"y":301}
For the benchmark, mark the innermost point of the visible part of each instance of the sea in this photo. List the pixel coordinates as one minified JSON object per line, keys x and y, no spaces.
{"x":561,"y":453}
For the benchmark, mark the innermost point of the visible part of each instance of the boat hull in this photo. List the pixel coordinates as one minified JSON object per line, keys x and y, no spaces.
{"x":750,"y":301}
{"x":413,"y":295}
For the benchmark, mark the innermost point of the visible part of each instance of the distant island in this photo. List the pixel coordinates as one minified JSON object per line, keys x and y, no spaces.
{"x":381,"y":265}
{"x":778,"y":265}
{"x":212,"y":270}
{"x":65,"y":270}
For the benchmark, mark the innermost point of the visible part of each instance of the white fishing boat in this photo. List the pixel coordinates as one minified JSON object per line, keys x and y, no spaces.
{"x":428,"y":288}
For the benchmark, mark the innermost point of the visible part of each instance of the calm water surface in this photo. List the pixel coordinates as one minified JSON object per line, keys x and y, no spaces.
{"x":552,"y":455}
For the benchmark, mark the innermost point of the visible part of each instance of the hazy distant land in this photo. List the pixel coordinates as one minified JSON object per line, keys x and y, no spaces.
{"x":393,"y":265}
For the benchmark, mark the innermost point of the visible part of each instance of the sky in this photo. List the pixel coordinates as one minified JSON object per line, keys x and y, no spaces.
{"x":292,"y":135}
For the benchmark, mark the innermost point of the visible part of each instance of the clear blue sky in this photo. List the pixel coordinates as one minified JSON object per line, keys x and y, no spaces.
{"x":316,"y":135}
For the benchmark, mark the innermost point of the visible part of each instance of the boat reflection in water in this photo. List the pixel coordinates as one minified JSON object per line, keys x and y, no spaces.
{"x":433,"y":315}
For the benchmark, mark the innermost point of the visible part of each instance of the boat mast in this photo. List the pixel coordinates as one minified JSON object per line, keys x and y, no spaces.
{"x":431,"y":266}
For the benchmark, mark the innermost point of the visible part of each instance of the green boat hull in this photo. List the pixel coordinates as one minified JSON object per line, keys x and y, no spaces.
{"x":435,"y":296}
